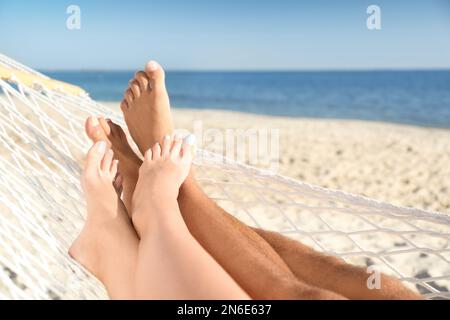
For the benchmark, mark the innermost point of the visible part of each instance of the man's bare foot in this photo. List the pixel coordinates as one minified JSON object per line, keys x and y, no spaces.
{"x":164,"y":170}
{"x":146,"y":107}
{"x":107,"y":245}
{"x":99,"y":129}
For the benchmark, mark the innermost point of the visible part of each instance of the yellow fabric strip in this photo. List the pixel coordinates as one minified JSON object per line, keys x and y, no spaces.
{"x":29,"y":79}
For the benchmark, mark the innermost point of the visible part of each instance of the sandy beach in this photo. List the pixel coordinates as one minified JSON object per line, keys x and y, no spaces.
{"x":399,"y":164}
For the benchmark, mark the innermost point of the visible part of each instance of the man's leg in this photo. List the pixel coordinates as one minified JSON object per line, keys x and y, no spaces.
{"x":332,"y":273}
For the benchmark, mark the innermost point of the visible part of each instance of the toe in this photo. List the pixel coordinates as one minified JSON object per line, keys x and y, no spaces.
{"x":105,"y":126}
{"x":128,"y":96}
{"x":124,"y":106}
{"x":142,"y":79}
{"x":134,"y":86}
{"x":176,"y":146}
{"x":188,"y":147}
{"x":155,"y":73}
{"x":117,"y":131}
{"x":106,"y":161}
{"x":118,"y":184}
{"x":166,"y":144}
{"x":148,"y":155}
{"x":113,"y":128}
{"x":114,"y":167}
{"x":94,"y":130}
{"x":95,"y":155}
{"x":156,"y":151}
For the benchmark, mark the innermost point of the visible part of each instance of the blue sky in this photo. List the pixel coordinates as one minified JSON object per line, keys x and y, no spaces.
{"x":228,"y":35}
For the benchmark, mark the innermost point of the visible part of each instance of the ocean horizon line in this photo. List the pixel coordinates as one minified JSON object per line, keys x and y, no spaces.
{"x":259,"y":70}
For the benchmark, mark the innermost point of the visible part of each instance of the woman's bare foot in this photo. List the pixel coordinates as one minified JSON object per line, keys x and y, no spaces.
{"x":160,"y":177}
{"x":107,"y":245}
{"x":146,"y":107}
{"x":99,"y":129}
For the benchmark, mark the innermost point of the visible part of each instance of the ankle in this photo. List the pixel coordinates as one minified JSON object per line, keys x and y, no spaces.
{"x":162,"y":214}
{"x":157,"y":197}
{"x":101,"y":213}
{"x":130,"y":173}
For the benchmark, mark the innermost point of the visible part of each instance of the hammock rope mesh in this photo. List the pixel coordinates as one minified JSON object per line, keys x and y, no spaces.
{"x":42,"y":208}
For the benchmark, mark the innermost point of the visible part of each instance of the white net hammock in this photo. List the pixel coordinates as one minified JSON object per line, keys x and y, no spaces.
{"x":42,"y":208}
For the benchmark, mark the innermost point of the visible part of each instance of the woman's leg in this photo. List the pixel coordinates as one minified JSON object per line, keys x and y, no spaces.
{"x":108,"y":244}
{"x":171,"y":264}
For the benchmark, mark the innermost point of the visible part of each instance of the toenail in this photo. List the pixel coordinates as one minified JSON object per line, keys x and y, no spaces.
{"x":190,"y":140}
{"x":152,"y":65}
{"x":94,"y":121}
{"x":101,"y":147}
{"x":166,"y":137}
